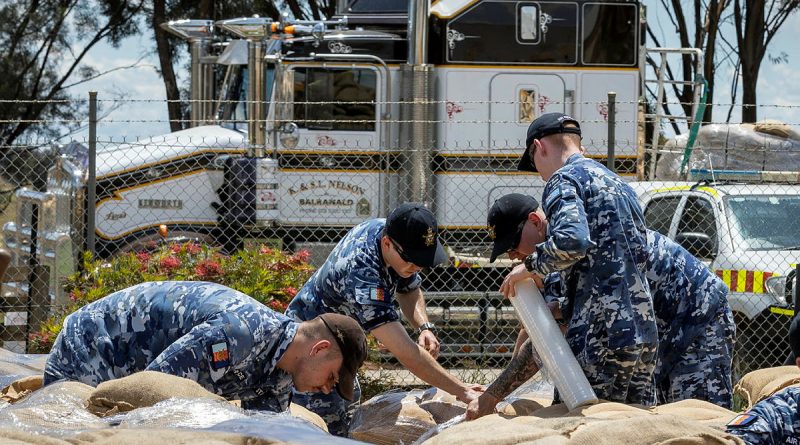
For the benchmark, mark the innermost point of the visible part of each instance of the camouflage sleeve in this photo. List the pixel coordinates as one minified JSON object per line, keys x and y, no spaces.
{"x":267,"y":403}
{"x":207,"y":351}
{"x":769,"y":421}
{"x":406,"y":285}
{"x":568,"y":232}
{"x":373,"y":303}
{"x":552,"y":288}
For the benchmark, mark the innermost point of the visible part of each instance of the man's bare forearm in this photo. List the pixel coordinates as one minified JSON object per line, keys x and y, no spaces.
{"x":522,"y":367}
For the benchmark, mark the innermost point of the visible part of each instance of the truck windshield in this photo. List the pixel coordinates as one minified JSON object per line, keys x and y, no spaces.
{"x":766,"y":222}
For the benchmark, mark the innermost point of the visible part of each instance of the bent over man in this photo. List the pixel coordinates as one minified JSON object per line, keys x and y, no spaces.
{"x":376,"y":263}
{"x":224,"y":340}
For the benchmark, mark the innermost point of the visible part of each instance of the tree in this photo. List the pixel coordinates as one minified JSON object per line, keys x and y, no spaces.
{"x":44,"y":46}
{"x":167,"y":45}
{"x":756,"y":23}
{"x":702,"y":32}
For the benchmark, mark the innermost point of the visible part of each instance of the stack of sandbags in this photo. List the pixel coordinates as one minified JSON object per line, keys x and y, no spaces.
{"x":402,"y":417}
{"x":762,"y":383}
{"x":142,"y":389}
{"x":599,"y":424}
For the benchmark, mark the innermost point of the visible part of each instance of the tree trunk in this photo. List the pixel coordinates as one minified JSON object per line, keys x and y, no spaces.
{"x":749,"y":101}
{"x":164,"y":50}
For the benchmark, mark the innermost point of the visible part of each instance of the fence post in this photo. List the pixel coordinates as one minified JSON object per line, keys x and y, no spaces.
{"x":38,"y":306}
{"x":612,"y":124}
{"x":91,"y":185}
{"x":796,"y":290}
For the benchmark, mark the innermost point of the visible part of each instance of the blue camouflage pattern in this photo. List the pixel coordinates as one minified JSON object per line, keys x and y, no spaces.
{"x":597,"y":238}
{"x":354,"y":281}
{"x":695,"y":325}
{"x":772,"y":421}
{"x":172,"y":327}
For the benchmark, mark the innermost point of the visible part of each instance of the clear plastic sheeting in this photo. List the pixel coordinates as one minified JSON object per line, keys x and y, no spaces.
{"x":15,"y":366}
{"x":55,"y":410}
{"x":767,"y":146}
{"x":179,"y":413}
{"x":402,"y":417}
{"x":282,"y":427}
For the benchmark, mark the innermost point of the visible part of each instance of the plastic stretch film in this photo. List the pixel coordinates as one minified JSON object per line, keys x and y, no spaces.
{"x":549,"y":343}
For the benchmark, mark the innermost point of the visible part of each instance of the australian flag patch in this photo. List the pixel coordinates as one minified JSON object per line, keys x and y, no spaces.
{"x":220,"y":358}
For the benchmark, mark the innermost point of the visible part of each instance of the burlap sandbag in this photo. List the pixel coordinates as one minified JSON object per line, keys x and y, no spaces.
{"x":119,"y":436}
{"x":762,"y":383}
{"x":648,"y":430}
{"x":498,"y":430}
{"x":443,"y":406}
{"x":391,"y":418}
{"x":21,"y":388}
{"x":699,"y":410}
{"x":142,"y":389}
{"x":312,"y":417}
{"x":777,"y":128}
{"x":15,"y":437}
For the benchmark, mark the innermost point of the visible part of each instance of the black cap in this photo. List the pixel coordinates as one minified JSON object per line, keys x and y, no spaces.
{"x":545,"y":125}
{"x":505,"y":221}
{"x":353,"y":345}
{"x":414,"y":229}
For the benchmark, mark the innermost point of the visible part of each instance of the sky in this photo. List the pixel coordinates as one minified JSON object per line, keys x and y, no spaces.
{"x":142,"y":114}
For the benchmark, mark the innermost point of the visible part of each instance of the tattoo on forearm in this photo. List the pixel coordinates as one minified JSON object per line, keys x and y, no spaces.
{"x":521,"y":368}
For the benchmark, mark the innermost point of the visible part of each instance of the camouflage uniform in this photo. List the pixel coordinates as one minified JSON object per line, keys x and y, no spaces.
{"x":597,"y":242}
{"x":223,"y":339}
{"x":695,"y":326}
{"x":354,"y":281}
{"x":774,"y":420}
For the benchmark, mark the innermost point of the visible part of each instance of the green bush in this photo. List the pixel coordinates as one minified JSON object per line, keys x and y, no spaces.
{"x":268,"y":275}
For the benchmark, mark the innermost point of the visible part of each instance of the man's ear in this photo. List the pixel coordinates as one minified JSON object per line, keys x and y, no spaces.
{"x":797,"y":362}
{"x":320,"y":346}
{"x":535,"y":219}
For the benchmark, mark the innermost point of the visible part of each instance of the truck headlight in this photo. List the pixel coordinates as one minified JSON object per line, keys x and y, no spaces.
{"x":776,"y":286}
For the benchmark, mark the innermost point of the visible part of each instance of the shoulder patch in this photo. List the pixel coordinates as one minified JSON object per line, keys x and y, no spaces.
{"x":220,"y":358}
{"x":377,"y":294}
{"x":742,"y":420}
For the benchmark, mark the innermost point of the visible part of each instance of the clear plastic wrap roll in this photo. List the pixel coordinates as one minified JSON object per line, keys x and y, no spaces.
{"x":549,"y":343}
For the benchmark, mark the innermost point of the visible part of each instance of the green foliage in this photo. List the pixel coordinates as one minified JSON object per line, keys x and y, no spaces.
{"x":268,"y":275}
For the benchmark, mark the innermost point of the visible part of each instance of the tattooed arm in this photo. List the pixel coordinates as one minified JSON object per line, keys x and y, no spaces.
{"x":522,"y":367}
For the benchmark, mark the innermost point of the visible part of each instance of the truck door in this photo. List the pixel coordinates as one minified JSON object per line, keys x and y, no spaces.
{"x":516,"y":99}
{"x":335,"y":107}
{"x":332,"y":165}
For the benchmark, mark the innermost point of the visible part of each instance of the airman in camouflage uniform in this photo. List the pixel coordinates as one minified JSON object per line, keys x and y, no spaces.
{"x":596,"y":240}
{"x":776,"y":419}
{"x":374,"y":265}
{"x":695,"y":326}
{"x":228,"y":342}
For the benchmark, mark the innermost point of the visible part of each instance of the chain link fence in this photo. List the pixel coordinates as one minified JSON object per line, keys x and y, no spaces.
{"x":344,"y":161}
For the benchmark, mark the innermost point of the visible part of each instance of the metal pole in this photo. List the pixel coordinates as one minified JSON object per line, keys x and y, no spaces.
{"x":91,"y":185}
{"x":796,"y":290}
{"x":612,"y":124}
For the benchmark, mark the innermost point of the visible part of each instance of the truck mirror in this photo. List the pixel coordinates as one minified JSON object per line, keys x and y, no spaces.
{"x":698,"y":244}
{"x":289,"y":135}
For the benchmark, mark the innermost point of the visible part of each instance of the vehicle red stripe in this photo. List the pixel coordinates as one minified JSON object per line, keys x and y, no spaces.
{"x":748,"y":281}
{"x":734,"y":286}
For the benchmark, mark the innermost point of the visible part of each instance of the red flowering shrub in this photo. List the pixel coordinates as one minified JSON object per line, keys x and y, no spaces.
{"x":268,"y":275}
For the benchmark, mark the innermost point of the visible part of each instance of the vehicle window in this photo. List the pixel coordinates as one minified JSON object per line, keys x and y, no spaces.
{"x":335,"y":99}
{"x":546,"y":33}
{"x":766,"y":222}
{"x":659,"y":213}
{"x":528,"y":23}
{"x":610,"y":34}
{"x":698,"y":216}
